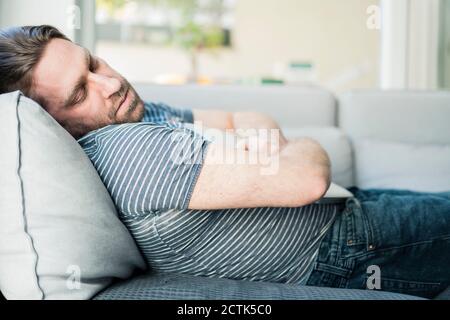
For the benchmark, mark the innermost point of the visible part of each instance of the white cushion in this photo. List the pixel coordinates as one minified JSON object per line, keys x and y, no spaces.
{"x":419,"y":167}
{"x":60,"y":237}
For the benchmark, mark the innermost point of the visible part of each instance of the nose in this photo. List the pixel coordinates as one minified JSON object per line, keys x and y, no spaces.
{"x":107,"y":85}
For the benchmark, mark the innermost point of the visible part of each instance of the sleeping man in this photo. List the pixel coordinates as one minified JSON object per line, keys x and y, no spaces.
{"x":192,"y":211}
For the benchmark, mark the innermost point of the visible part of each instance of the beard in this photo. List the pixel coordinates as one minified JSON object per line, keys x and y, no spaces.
{"x":135,"y":110}
{"x":135,"y":103}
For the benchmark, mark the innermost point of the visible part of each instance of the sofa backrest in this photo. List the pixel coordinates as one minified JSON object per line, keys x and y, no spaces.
{"x":400,"y":139}
{"x":397,"y":116}
{"x":292,"y":107}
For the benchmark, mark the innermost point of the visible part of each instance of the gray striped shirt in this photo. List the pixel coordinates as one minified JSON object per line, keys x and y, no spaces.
{"x":152,"y":193}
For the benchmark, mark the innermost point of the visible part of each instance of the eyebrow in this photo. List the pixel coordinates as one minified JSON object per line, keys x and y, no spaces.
{"x":80,"y":84}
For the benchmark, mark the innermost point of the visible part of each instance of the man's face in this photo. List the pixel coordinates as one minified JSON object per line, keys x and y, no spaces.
{"x":82,"y":92}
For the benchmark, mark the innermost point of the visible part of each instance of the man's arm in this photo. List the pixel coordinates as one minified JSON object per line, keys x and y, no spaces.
{"x":149,"y":167}
{"x":303,"y":176}
{"x":241,"y":121}
{"x":214,"y":118}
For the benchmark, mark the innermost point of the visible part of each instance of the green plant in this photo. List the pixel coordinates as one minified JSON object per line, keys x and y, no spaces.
{"x":111,"y":5}
{"x":194,"y":38}
{"x":189,"y":36}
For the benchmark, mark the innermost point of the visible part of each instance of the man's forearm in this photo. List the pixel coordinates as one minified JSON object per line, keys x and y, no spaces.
{"x":249,"y":126}
{"x":234,"y":120}
{"x":253,"y":120}
{"x":248,"y":121}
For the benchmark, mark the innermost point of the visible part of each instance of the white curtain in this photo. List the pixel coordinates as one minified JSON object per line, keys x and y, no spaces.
{"x":410,"y":44}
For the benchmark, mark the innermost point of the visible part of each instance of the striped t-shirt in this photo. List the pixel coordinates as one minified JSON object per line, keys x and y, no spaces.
{"x":151,"y":185}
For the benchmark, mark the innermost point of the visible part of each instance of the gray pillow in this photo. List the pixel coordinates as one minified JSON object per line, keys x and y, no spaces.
{"x":385,"y":164}
{"x":60,"y":237}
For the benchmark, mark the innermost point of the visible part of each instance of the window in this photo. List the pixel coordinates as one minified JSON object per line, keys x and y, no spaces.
{"x":324,"y":42}
{"x":162,"y":22}
{"x":148,"y":30}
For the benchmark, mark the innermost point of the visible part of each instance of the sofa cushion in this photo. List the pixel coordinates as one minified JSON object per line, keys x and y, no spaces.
{"x":403,"y":121}
{"x":60,"y":237}
{"x":172,"y":286}
{"x":396,"y":115}
{"x":392,"y":165}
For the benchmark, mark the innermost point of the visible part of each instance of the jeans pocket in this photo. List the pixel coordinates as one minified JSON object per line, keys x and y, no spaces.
{"x":358,"y":230}
{"x":354,"y":228}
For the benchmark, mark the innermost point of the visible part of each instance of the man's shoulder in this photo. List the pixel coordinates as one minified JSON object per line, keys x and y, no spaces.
{"x":119,"y":130}
{"x":106,"y":135}
{"x":129,"y":133}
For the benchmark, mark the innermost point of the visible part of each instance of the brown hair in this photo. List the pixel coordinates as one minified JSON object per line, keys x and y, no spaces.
{"x":20,"y":50}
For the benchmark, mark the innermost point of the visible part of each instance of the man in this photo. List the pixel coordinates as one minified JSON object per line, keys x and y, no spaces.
{"x":192,"y":212}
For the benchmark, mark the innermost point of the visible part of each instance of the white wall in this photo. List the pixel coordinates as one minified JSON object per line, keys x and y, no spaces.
{"x":32,"y":12}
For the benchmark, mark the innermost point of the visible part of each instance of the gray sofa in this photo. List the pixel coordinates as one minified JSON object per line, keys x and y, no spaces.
{"x":375,"y":139}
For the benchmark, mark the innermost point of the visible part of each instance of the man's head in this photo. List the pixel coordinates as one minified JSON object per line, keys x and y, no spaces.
{"x":82,"y":92}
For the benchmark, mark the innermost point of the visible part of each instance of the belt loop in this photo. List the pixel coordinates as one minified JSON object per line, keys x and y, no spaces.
{"x":356,"y":229}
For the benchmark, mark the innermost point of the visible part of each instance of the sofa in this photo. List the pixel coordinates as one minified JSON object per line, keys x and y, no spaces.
{"x":375,"y":139}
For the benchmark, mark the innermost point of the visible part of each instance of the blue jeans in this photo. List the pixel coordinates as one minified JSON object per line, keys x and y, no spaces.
{"x":405,"y":234}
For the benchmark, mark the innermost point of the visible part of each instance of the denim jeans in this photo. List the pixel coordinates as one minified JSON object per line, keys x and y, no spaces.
{"x":401,"y":237}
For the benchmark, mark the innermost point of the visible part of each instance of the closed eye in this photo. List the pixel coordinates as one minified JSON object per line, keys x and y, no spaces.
{"x":81,"y":95}
{"x":80,"y":92}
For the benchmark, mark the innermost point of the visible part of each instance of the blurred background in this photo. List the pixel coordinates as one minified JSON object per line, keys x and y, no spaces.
{"x":339,"y":45}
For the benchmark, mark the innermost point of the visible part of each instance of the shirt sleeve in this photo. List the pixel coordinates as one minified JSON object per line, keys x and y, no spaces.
{"x":149,"y":167}
{"x":161,"y":112}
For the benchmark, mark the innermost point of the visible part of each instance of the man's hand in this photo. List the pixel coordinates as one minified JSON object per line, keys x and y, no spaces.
{"x":246,"y":125}
{"x":254,"y":122}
